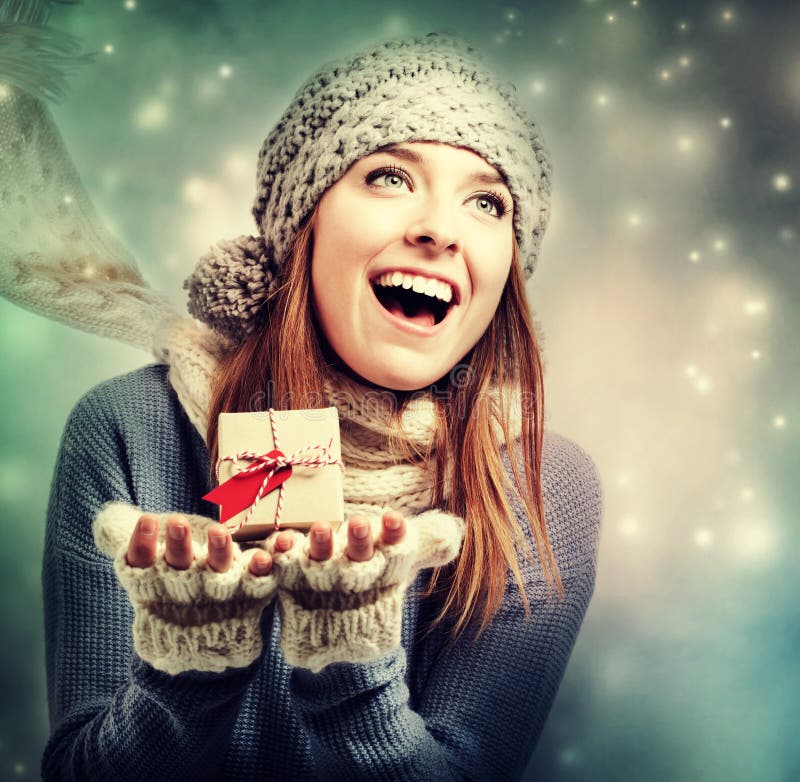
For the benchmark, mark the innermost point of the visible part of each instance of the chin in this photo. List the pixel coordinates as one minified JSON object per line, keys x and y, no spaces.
{"x":396,"y":381}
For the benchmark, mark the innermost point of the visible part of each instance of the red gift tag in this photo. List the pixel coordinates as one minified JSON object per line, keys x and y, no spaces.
{"x":240,"y":491}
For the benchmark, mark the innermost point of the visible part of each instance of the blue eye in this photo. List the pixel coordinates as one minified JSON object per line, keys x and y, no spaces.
{"x":500,"y":204}
{"x":387,"y":171}
{"x":497,"y":200}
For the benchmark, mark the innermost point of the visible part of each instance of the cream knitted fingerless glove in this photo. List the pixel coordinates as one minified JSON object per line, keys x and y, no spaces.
{"x":339,"y":610}
{"x":193,"y":619}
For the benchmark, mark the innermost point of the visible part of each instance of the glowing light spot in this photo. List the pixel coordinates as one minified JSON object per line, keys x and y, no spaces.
{"x":691,"y":370}
{"x":779,"y":422}
{"x":629,"y":526}
{"x":746,"y":494}
{"x":510,"y":15}
{"x":635,"y":3}
{"x":634,"y":219}
{"x":787,"y":233}
{"x":195,"y":190}
{"x":569,"y":757}
{"x":685,"y":61}
{"x":559,"y":41}
{"x":725,"y":122}
{"x":703,"y":384}
{"x":610,"y":18}
{"x":781,"y":182}
{"x":67,"y":199}
{"x":109,"y":48}
{"x":665,"y":75}
{"x":703,"y":537}
{"x":225,"y":71}
{"x":719,"y":245}
{"x":537,"y":87}
{"x":753,"y":541}
{"x":754,"y":307}
{"x":5,"y":91}
{"x":623,"y":480}
{"x":683,"y":26}
{"x":694,"y":256}
{"x":237,"y":164}
{"x":685,"y":143}
{"x":602,"y":99}
{"x":130,"y":5}
{"x":152,"y":115}
{"x":727,"y":15}
{"x":755,"y":354}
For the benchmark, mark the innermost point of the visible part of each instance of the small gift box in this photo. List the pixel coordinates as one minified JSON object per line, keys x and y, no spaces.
{"x":278,"y":468}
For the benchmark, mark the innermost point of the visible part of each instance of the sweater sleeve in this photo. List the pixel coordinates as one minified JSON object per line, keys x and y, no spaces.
{"x":112,"y":715}
{"x":480,"y":705}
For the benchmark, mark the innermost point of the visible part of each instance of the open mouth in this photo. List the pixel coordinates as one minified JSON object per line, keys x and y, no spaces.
{"x":418,"y":307}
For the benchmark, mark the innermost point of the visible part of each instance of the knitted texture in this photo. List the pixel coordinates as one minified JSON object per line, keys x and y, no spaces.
{"x":421,"y":711}
{"x":57,"y":258}
{"x":339,"y":610}
{"x":435,"y":88}
{"x":191,"y":619}
{"x":376,"y":475}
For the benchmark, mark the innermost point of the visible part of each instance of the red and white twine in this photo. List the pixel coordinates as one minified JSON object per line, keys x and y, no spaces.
{"x":260,"y":461}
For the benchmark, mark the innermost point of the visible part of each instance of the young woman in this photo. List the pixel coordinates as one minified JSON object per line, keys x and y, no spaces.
{"x":401,"y":201}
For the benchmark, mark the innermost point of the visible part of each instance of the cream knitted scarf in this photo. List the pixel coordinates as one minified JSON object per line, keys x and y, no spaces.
{"x":376,"y":476}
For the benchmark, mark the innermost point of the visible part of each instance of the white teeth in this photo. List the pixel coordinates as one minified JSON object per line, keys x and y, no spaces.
{"x":430,"y":287}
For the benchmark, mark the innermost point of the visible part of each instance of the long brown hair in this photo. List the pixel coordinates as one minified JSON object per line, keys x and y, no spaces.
{"x":280,"y":364}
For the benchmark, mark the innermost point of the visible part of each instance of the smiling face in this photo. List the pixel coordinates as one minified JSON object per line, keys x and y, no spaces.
{"x":412,"y":249}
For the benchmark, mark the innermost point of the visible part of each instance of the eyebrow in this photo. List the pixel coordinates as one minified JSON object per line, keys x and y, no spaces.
{"x":482,"y":178}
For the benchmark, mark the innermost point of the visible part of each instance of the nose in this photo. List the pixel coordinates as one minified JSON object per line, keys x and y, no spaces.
{"x":436,"y":230}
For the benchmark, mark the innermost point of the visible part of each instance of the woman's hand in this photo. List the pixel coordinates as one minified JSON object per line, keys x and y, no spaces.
{"x":359,"y":540}
{"x":341,"y":596}
{"x":178,"y":554}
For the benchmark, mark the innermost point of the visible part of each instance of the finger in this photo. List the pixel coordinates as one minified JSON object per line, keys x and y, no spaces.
{"x":321,"y":540}
{"x":261,"y":563}
{"x":179,"y":552}
{"x":220,"y":549}
{"x":283,"y":542}
{"x":394,"y":527}
{"x":359,"y":539}
{"x":142,"y":546}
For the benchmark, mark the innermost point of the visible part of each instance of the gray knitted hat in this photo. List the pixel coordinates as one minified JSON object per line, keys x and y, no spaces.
{"x":435,"y":88}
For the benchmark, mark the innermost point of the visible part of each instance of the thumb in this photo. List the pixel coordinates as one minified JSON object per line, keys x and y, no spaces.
{"x":440,"y":537}
{"x":113,"y":526}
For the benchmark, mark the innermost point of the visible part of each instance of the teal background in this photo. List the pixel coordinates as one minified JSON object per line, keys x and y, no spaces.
{"x":667,"y":288}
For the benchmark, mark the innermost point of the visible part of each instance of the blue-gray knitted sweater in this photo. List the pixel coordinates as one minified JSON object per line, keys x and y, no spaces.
{"x":421,"y":712}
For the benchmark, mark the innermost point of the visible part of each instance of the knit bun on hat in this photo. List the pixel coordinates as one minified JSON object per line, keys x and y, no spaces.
{"x":230,"y":284}
{"x":435,"y":88}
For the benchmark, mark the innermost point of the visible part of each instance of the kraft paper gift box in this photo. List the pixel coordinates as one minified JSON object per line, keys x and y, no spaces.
{"x":310,"y":493}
